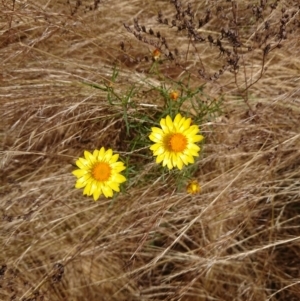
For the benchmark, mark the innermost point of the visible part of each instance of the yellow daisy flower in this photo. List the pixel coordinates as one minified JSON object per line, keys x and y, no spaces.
{"x":175,"y":142}
{"x":193,"y":187}
{"x":99,"y":173}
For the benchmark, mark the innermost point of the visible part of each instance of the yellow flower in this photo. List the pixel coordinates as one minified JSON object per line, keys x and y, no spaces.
{"x":99,"y":173}
{"x":175,"y":141}
{"x":193,"y":187}
{"x":174,"y":95}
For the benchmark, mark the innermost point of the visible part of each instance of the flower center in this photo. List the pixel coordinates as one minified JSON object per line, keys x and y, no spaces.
{"x":177,"y":142}
{"x":101,"y":171}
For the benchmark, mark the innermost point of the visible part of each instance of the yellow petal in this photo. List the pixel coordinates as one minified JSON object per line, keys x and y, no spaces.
{"x":155,"y":137}
{"x":176,"y":161}
{"x":159,"y":151}
{"x":87,"y":188}
{"x":164,"y":126}
{"x":108,"y":155}
{"x":174,"y":158}
{"x":114,"y":158}
{"x":107,"y":191}
{"x":185,"y":125}
{"x":79,"y":184}
{"x":169,"y":164}
{"x":80,"y":172}
{"x":95,"y":153}
{"x":163,"y":122}
{"x":97,"y":194}
{"x":167,"y":159}
{"x":160,"y":158}
{"x":117,"y":178}
{"x":117,"y":167}
{"x":189,"y":159}
{"x":179,"y":122}
{"x":82,"y":163}
{"x":157,"y":130}
{"x":88,"y":156}
{"x":114,"y":186}
{"x":94,"y":186}
{"x":177,"y":118}
{"x":83,"y":180}
{"x":193,"y":153}
{"x":193,"y":149}
{"x":184,"y":159}
{"x":169,"y":123}
{"x":155,"y":146}
{"x":196,"y":138}
{"x":179,"y":163}
{"x":191,"y":131}
{"x":101,"y":153}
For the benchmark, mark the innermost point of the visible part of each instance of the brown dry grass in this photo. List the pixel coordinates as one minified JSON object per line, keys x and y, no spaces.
{"x":237,"y":240}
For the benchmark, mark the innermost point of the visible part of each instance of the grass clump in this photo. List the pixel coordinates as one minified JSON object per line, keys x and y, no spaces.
{"x":70,"y":83}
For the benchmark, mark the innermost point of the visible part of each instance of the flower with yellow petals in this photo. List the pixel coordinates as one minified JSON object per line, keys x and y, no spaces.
{"x":193,"y":187}
{"x":174,"y":143}
{"x":99,"y":173}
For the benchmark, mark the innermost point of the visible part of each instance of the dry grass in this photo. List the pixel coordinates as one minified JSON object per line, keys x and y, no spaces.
{"x":237,"y":240}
